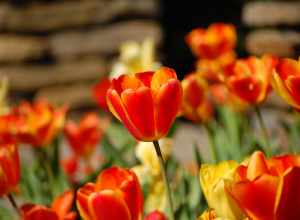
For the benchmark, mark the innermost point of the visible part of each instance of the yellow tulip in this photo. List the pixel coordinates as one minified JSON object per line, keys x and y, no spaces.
{"x":145,"y":152}
{"x":148,"y":173}
{"x":136,"y":57}
{"x":213,"y":179}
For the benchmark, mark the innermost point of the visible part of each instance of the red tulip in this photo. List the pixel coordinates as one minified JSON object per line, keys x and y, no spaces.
{"x":9,"y":168}
{"x":218,"y":69}
{"x":156,"y":215}
{"x":195,"y":103}
{"x":286,"y":81}
{"x":221,"y":96}
{"x":84,"y":137}
{"x":38,"y":123}
{"x":60,"y":209}
{"x":212,"y":42}
{"x":116,"y":195}
{"x":99,"y":92}
{"x":70,"y":166}
{"x":147,"y":103}
{"x":268,"y":189}
{"x":250,"y":80}
{"x":8,"y":128}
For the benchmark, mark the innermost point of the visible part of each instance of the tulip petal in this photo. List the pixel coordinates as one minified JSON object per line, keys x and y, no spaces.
{"x":247,"y":88}
{"x":213,"y":179}
{"x":287,"y":67}
{"x":256,"y":198}
{"x":167,"y":105}
{"x":278,"y":165}
{"x":63,"y":203}
{"x":107,"y":204}
{"x":257,"y":166}
{"x":82,"y":200}
{"x":288,"y":197}
{"x":279,"y":86}
{"x":37,"y":212}
{"x":293,"y":85}
{"x":145,"y":77}
{"x":140,"y":109}
{"x":117,"y":108}
{"x":161,"y":77}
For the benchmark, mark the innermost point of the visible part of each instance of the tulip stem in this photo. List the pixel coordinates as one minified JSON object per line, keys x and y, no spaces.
{"x":13,"y":203}
{"x":165,"y":178}
{"x":212,"y":144}
{"x":264,"y":130}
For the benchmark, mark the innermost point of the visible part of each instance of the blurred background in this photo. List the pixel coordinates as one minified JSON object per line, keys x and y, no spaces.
{"x":59,"y":48}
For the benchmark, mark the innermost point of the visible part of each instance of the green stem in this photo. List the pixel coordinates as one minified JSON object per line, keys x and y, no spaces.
{"x":14,"y":203}
{"x":212,"y":144}
{"x":164,"y":174}
{"x":45,"y":162}
{"x":264,"y":130}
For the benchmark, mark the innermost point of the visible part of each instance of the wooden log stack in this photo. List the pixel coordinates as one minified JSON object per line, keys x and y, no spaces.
{"x":58,"y":49}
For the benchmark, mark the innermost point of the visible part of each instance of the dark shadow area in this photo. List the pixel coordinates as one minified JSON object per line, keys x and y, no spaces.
{"x":179,"y":17}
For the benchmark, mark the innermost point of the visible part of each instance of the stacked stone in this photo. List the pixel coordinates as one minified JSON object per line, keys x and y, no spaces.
{"x":59,"y":49}
{"x":274,"y":27}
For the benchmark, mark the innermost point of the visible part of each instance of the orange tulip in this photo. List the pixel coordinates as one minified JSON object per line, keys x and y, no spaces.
{"x":221,"y":96}
{"x":286,"y":81}
{"x":9,"y":168}
{"x":195,"y":104}
{"x":99,"y":92}
{"x":8,"y":128}
{"x":60,"y":209}
{"x":268,"y":189}
{"x":147,"y":103}
{"x":156,"y":215}
{"x":216,"y":70}
{"x":38,"y":123}
{"x":84,"y":137}
{"x":116,"y":195}
{"x":212,"y":42}
{"x":250,"y":80}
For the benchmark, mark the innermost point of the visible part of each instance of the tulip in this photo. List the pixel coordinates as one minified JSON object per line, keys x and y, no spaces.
{"x":195,"y":104}
{"x":135,"y":57}
{"x":212,"y":42}
{"x":84,"y":137}
{"x":8,"y":128}
{"x":218,"y":69}
{"x":59,"y":210}
{"x":286,"y":81}
{"x":156,"y":215}
{"x":221,"y":96}
{"x":115,"y":195}
{"x":39,"y":122}
{"x":145,"y":152}
{"x":267,"y":189}
{"x":250,"y":80}
{"x":213,"y":179}
{"x":70,"y":167}
{"x":9,"y":168}
{"x":147,"y":103}
{"x":209,"y":215}
{"x":99,"y":92}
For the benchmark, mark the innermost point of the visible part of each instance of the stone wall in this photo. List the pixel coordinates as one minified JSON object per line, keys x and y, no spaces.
{"x":59,"y":49}
{"x":274,"y":27}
